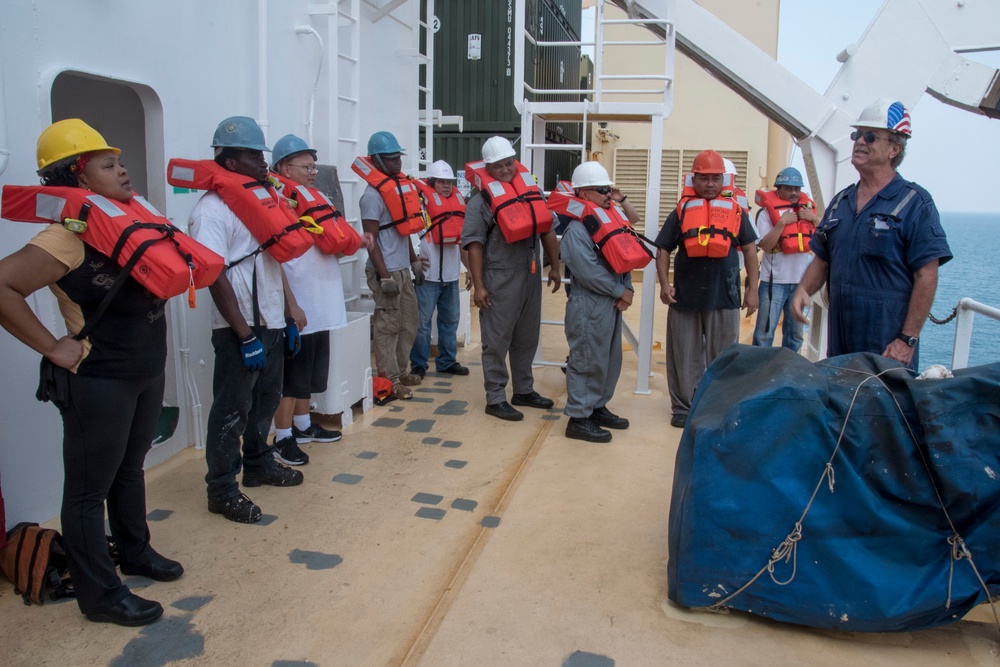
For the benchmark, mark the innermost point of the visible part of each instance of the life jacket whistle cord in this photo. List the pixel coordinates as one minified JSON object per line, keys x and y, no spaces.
{"x":399,"y":193}
{"x":162,"y":258}
{"x":795,"y":236}
{"x":338,"y":237}
{"x":518,"y":206}
{"x":447,"y":214}
{"x":265,"y":213}
{"x":709,"y":227}
{"x":613,"y":236}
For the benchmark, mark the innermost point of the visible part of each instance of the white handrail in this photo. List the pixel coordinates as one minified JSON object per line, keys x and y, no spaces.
{"x":967,"y":309}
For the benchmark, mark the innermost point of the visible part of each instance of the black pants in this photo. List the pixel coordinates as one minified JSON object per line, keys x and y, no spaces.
{"x":108,"y":426}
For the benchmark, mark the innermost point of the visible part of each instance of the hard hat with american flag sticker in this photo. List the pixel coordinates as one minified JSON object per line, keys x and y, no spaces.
{"x":886,"y":113}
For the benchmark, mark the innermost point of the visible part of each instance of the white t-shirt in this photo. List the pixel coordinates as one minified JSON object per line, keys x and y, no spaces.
{"x":445,"y":266}
{"x":394,"y":246}
{"x":214,"y":225}
{"x":787,"y":269}
{"x":315,"y":280}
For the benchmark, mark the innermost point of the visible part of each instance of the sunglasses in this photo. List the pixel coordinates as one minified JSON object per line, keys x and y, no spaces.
{"x":603,"y":190}
{"x":869,"y":136}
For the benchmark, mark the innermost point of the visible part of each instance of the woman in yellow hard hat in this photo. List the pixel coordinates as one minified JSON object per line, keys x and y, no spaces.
{"x":107,"y":382}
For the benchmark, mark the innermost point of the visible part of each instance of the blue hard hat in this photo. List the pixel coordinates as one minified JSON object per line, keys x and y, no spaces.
{"x":789,"y":176}
{"x":287,"y":146}
{"x":383,"y":143}
{"x":239,"y":132}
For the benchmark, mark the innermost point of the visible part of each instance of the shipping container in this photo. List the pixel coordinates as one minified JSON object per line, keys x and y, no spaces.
{"x":474,"y":55}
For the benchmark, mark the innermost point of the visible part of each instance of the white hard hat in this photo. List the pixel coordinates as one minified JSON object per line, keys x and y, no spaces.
{"x":730,"y":167}
{"x":590,"y":175}
{"x":442,"y":170}
{"x":886,"y":113}
{"x":496,"y":149}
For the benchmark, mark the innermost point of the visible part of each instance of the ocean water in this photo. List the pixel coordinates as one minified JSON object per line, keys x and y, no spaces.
{"x":973,"y":272}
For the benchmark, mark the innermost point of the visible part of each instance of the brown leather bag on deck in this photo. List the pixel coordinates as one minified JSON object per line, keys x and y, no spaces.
{"x":33,"y":559}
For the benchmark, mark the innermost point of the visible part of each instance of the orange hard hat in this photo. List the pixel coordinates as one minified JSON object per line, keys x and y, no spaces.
{"x":708,"y":162}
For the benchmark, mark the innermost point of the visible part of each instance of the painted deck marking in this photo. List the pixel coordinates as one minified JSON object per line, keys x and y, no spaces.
{"x":455,"y":463}
{"x":584,"y":659}
{"x":158,"y":515}
{"x":490,"y":522}
{"x":192,"y":603}
{"x":463,"y":504}
{"x":345,"y":478}
{"x":435,"y":513}
{"x":427,"y":498}
{"x":451,"y":444}
{"x":421,"y":399}
{"x":431,"y":440}
{"x":367,"y":455}
{"x":314,"y":560}
{"x":454,"y":408}
{"x":266,"y":520}
{"x":550,"y":418}
{"x":389,"y":422}
{"x":432,"y":390}
{"x":420,"y":425}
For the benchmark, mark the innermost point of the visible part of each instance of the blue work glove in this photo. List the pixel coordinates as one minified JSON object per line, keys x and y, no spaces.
{"x":253,"y":353}
{"x":292,"y":337}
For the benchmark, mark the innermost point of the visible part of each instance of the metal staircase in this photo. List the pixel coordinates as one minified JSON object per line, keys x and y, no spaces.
{"x":613,"y":97}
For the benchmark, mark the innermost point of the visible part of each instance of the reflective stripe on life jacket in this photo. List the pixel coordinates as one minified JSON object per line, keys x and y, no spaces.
{"x":795,"y":236}
{"x":612,"y":233}
{"x":169,"y":261}
{"x":399,"y":193}
{"x":518,"y":206}
{"x":338,"y":237}
{"x":709,"y":227}
{"x":447,"y":215}
{"x":265,"y":213}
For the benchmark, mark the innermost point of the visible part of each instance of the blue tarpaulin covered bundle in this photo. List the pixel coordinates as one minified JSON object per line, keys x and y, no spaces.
{"x":842,"y":494}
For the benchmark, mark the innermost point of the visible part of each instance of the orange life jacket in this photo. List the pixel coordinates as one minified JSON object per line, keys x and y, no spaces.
{"x":518,"y":206}
{"x":133,"y":234}
{"x":795,"y":236}
{"x":737,"y":193}
{"x":399,"y":193}
{"x":709,"y":227}
{"x":612,"y":233}
{"x":447,"y":214}
{"x":265,"y":213}
{"x":338,"y":236}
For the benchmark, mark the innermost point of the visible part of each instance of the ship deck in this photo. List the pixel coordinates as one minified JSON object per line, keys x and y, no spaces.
{"x":432,"y":534}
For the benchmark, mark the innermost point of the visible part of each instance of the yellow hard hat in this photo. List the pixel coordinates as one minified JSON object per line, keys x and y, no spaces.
{"x":66,"y":138}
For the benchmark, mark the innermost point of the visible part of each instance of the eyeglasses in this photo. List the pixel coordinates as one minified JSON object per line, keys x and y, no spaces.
{"x":869,"y":136}
{"x":310,"y":168}
{"x":603,"y":190}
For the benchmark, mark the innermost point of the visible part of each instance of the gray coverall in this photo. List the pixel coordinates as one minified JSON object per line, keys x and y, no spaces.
{"x":593,"y":325}
{"x":511,"y":325}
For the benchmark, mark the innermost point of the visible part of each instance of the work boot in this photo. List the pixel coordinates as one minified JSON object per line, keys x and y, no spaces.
{"x":606,"y":418}
{"x":502,"y":410}
{"x":272,"y":475}
{"x":236,"y":508}
{"x":581,"y":428}
{"x":532,"y":400}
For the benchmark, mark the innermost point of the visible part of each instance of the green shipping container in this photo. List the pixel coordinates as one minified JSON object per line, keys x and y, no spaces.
{"x":474,"y":58}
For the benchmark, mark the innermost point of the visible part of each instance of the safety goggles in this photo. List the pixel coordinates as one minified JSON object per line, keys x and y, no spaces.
{"x":603,"y":190}
{"x":869,"y":136}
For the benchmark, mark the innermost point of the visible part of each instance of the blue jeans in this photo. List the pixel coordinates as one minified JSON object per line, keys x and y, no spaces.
{"x":243,"y":405}
{"x":771,"y":308}
{"x":443,"y":296}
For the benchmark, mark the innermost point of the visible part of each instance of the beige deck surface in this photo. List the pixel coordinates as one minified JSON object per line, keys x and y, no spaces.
{"x":363,"y":574}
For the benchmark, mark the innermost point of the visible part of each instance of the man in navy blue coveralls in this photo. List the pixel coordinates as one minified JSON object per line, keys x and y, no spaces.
{"x":879,"y":246}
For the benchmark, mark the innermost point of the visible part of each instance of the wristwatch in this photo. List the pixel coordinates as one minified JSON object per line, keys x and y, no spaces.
{"x":909,"y":340}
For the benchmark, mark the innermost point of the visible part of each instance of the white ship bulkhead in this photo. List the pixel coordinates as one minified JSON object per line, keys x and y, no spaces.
{"x":155,"y":79}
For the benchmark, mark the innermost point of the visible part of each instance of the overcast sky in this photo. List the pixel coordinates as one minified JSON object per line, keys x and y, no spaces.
{"x":950,"y":149}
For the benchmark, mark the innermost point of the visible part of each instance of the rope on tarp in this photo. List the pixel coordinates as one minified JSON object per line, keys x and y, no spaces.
{"x":787,"y":550}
